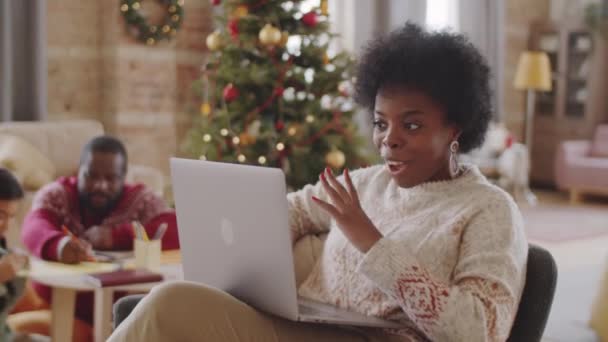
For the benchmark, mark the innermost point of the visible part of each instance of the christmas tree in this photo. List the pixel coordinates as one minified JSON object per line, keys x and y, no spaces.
{"x":271,"y":94}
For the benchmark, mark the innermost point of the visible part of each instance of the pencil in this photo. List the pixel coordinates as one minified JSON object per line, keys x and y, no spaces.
{"x":74,"y":238}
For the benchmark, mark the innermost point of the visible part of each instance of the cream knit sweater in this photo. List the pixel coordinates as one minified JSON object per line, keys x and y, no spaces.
{"x":451,"y":264}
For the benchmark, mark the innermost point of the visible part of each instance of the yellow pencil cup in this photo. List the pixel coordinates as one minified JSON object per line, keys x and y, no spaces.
{"x":147,"y":254}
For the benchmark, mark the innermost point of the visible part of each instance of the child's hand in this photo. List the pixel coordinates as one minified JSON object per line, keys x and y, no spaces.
{"x":10,"y":264}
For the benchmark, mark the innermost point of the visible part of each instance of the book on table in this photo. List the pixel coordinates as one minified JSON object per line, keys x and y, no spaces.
{"x":123,"y":277}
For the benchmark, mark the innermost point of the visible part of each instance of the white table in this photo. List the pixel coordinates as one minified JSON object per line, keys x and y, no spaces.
{"x":65,"y":287}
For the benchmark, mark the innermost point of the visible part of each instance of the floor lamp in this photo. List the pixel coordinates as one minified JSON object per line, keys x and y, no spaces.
{"x":533,"y":74}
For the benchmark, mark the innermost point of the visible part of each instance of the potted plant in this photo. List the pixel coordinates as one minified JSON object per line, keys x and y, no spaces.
{"x":596,"y":17}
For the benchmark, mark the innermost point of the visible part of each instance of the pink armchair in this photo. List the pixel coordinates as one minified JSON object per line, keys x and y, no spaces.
{"x":581,"y":166}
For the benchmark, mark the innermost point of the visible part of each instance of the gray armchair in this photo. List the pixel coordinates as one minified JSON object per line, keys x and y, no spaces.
{"x":536,"y":300}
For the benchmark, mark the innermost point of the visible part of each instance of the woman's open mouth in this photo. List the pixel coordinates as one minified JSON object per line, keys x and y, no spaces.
{"x":396,"y":167}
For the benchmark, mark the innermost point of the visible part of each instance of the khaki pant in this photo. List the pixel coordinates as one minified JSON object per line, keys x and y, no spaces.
{"x":184,"y":311}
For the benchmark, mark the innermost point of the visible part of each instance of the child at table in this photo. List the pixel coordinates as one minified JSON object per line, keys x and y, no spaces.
{"x":11,"y":284}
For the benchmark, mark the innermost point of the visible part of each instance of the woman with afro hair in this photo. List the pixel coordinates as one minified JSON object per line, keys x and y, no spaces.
{"x":422,"y":239}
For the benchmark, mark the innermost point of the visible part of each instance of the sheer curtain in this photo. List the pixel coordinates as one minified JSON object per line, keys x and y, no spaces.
{"x":357,"y":21}
{"x":483,"y":22}
{"x":23,"y":63}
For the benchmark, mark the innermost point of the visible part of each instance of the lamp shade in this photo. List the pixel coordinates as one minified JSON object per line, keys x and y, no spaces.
{"x":533,"y":71}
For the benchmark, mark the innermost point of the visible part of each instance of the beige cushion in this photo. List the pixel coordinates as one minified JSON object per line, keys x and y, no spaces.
{"x":599,"y":311}
{"x":306,"y":252}
{"x":28,"y":164}
{"x":150,"y":177}
{"x":60,"y":141}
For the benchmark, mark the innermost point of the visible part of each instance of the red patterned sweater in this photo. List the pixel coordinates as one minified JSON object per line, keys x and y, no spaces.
{"x":57,"y":204}
{"x":451,"y":264}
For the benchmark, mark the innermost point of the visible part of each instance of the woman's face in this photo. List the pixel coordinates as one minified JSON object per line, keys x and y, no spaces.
{"x":8,"y":210}
{"x":412,"y":135}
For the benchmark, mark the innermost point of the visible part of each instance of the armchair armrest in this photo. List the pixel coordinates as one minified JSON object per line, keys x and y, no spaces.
{"x":574,"y":149}
{"x":151,"y":177}
{"x":567,"y":154}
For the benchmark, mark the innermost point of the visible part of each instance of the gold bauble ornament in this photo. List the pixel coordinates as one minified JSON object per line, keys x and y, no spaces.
{"x":284,"y":38}
{"x":292,"y":130}
{"x":335,"y":158}
{"x":240,"y":12}
{"x":205,"y":109}
{"x":214,"y":41}
{"x":325,"y":58}
{"x":270,"y":35}
{"x":324,"y":8}
{"x":246,"y":139}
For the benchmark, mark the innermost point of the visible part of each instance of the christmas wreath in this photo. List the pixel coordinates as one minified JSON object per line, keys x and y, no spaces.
{"x":151,"y":34}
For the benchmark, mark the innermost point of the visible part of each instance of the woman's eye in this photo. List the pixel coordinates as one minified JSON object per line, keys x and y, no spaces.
{"x":379,"y":124}
{"x":412,"y":126}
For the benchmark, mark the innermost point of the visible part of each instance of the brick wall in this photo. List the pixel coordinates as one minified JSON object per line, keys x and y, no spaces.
{"x":140,"y":93}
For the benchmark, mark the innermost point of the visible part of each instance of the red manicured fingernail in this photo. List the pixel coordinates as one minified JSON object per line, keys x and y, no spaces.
{"x":315,"y":198}
{"x":323,"y":176}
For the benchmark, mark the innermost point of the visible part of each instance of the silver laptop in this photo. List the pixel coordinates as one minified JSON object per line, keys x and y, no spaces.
{"x":234,"y":236}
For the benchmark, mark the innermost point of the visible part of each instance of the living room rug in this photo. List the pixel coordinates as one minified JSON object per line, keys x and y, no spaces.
{"x":553,"y":222}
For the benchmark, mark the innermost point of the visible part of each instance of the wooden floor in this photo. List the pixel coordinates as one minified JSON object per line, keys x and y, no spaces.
{"x":581,"y":266}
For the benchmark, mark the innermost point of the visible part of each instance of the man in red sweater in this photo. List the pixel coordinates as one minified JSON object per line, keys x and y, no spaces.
{"x":98,"y":207}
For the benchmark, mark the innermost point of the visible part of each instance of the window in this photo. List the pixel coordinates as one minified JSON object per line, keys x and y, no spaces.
{"x":441,"y":14}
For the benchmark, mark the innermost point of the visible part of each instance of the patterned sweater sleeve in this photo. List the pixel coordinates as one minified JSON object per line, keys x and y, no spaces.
{"x":305,"y":217}
{"x":41,"y":228}
{"x":480,"y":301}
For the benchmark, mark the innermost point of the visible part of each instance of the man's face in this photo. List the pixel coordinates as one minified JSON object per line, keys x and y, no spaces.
{"x":101,"y":180}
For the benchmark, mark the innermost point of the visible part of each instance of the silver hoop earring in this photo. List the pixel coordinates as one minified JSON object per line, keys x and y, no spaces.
{"x":454,"y":166}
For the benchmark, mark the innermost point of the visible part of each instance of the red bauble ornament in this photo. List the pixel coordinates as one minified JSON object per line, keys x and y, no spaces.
{"x":310,"y":19}
{"x":233,"y":27}
{"x":279,"y":91}
{"x":231,"y":93}
{"x":509,"y":141}
{"x":216,"y":2}
{"x":279,"y":125}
